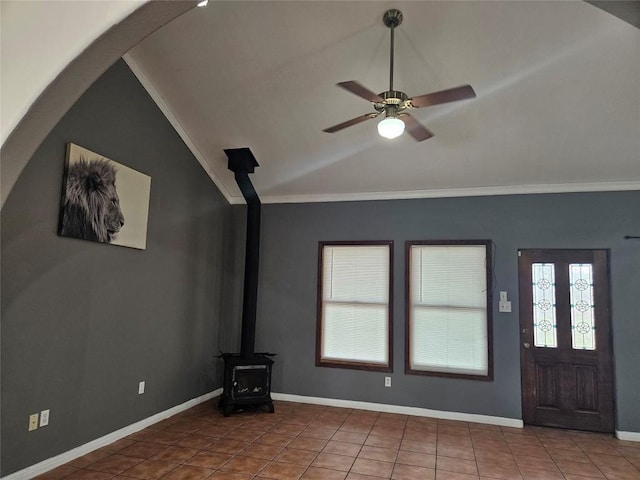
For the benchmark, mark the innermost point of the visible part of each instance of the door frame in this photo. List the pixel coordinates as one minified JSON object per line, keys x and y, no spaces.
{"x":605,"y":352}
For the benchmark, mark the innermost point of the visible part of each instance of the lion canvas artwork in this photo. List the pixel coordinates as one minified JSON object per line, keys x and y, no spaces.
{"x":103,"y":201}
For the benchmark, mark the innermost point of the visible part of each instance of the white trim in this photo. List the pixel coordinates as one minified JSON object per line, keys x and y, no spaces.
{"x":175,"y":123}
{"x":419,"y":412}
{"x":58,"y":460}
{"x":54,"y":462}
{"x":628,"y":436}
{"x":364,"y":196}
{"x":457,"y":192}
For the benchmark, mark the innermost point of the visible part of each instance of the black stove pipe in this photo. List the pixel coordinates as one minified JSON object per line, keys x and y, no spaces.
{"x":242,"y":163}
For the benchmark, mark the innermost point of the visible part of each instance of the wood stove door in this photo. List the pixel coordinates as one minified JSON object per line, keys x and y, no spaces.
{"x":250,"y":381}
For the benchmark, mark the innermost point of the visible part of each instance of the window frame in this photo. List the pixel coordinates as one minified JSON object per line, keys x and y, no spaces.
{"x":408,"y":308}
{"x":320,"y":362}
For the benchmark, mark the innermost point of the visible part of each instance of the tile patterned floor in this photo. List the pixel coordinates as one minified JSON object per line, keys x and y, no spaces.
{"x":311,"y":442}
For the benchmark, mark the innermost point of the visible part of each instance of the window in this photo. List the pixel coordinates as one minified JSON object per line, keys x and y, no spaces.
{"x":449,"y":308}
{"x":354,"y":305}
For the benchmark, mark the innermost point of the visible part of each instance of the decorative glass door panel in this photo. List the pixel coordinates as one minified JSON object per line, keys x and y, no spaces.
{"x":583,"y":328}
{"x":544,"y":305}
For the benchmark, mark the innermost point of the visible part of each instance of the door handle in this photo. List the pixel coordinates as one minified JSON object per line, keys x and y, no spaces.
{"x":526,"y":345}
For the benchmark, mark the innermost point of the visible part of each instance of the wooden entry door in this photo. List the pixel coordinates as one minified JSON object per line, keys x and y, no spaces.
{"x":565,"y":331}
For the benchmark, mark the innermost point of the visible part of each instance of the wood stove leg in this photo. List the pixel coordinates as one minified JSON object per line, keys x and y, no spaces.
{"x":226,"y":410}
{"x":226,"y":407}
{"x":270,"y":408}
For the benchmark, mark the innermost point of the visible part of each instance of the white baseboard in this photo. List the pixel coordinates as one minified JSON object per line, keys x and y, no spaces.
{"x":628,"y":436}
{"x":54,"y":462}
{"x":58,"y":460}
{"x":420,"y":412}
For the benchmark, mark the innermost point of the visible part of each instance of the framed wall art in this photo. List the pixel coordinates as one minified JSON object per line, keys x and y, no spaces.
{"x":103,"y":201}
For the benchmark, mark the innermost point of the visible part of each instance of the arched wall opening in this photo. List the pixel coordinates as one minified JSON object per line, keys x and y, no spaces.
{"x":34,"y":102}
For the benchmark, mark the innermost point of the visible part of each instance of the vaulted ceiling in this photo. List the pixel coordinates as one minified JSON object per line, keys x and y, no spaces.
{"x":557,"y":107}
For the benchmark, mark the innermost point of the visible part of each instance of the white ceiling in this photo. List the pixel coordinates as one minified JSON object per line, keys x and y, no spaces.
{"x":558,"y":106}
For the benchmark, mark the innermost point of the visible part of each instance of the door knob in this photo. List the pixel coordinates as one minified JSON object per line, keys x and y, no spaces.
{"x":526,"y":345}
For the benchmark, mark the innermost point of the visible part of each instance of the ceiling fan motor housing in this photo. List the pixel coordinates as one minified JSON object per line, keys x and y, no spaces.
{"x":394,"y":103}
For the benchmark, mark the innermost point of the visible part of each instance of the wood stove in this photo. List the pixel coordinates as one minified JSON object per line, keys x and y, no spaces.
{"x":247,"y":382}
{"x":247,"y":375}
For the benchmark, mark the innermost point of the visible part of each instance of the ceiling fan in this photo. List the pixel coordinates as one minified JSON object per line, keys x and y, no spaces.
{"x":396,"y":104}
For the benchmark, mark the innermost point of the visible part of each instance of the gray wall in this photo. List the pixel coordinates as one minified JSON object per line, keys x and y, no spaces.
{"x":287,"y":310}
{"x":83,"y":322}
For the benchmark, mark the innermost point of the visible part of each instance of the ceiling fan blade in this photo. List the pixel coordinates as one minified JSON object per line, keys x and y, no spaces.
{"x":349,"y":123}
{"x":443,"y":96}
{"x":361,"y":91}
{"x":415,"y":128}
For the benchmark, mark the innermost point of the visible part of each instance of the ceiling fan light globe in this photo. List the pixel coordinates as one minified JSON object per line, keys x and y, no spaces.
{"x":391,"y":127}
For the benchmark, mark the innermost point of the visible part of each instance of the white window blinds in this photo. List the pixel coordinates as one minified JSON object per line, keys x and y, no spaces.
{"x":355,"y":303}
{"x":448,"y":309}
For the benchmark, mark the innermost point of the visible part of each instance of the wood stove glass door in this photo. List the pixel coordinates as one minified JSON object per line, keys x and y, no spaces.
{"x":250,"y":381}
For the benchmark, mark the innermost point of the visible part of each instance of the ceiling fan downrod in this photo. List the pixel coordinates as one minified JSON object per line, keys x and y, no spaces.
{"x":392,"y":18}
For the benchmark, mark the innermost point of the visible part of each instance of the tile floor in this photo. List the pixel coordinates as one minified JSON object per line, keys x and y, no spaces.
{"x":312,"y":442}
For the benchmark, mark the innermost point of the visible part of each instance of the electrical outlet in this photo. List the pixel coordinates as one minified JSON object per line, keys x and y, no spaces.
{"x":44,"y":418}
{"x":387,"y":381}
{"x":140,"y":388}
{"x":33,"y":422}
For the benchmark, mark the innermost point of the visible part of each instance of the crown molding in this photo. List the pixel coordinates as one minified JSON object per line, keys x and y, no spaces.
{"x":365,"y":196}
{"x":457,"y":192}
{"x":180,"y":130}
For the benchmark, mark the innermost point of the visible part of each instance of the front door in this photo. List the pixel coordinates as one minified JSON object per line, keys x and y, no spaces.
{"x":565,"y":331}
